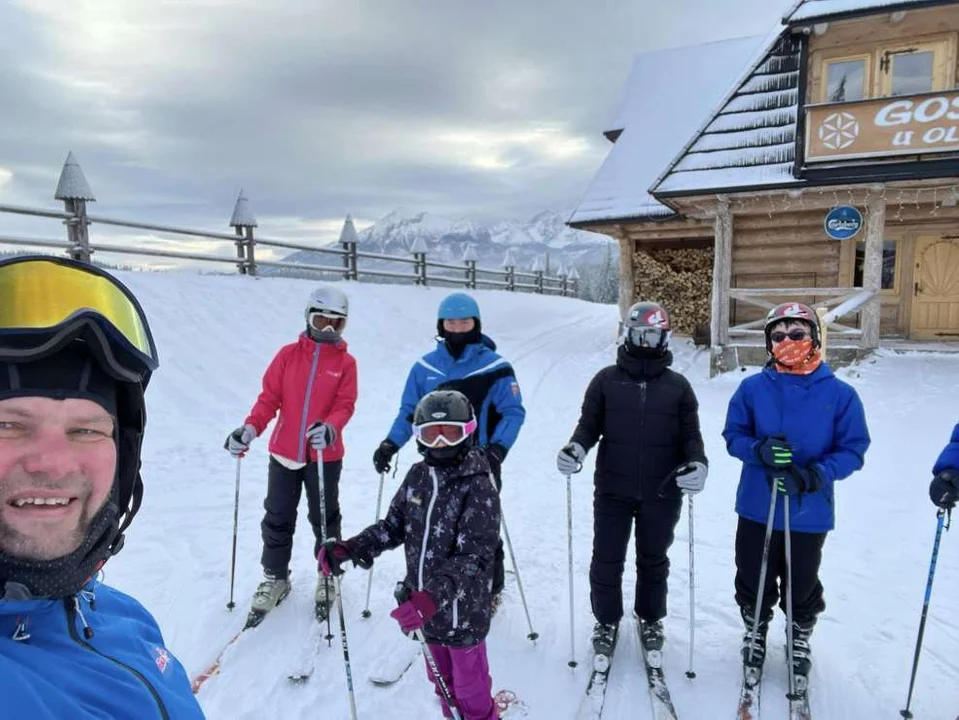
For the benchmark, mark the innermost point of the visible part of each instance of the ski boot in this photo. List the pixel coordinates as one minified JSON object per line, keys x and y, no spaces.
{"x":652,"y":638}
{"x":802,"y":658}
{"x":324,"y":597}
{"x":604,"y":638}
{"x":270,"y":593}
{"x":754,"y":644}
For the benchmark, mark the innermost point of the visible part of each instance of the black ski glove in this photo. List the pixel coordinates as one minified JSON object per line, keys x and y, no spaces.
{"x":796,"y":480}
{"x":496,"y":454}
{"x":383,"y":455}
{"x":774,"y":452}
{"x":944,"y":489}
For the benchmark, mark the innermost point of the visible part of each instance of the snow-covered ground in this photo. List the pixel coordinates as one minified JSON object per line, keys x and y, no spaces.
{"x":216,"y":336}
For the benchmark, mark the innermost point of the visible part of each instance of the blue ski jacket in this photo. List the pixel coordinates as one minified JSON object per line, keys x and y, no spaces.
{"x":822,"y":419}
{"x":98,"y":654}
{"x":949,"y":457}
{"x":479,"y":373}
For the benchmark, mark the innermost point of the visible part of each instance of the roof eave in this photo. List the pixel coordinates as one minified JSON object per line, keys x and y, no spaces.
{"x":866,"y":12}
{"x":664,"y":195}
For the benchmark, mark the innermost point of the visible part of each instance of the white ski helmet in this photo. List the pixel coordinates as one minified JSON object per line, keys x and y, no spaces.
{"x":328,"y":302}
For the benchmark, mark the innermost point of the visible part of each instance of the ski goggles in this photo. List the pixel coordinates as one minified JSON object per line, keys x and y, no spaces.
{"x":47,"y":302}
{"x":646,"y":336}
{"x":451,"y":433}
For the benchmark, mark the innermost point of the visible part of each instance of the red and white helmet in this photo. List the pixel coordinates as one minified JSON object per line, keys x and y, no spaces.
{"x":647,"y":325}
{"x":792,"y":311}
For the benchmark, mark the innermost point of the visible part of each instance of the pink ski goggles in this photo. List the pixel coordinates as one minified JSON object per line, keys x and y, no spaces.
{"x":452,"y":433}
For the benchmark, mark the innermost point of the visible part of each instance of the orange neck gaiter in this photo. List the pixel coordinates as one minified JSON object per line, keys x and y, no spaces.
{"x":796,"y":357}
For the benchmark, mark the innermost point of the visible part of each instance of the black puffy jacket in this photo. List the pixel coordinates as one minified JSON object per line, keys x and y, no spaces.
{"x":648,"y":418}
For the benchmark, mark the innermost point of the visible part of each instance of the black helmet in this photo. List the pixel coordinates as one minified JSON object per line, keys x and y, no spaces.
{"x":447,"y":416}
{"x":646,"y":329}
{"x":70,"y":329}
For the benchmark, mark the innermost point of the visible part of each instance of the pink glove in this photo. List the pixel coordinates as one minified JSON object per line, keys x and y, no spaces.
{"x":331,"y":556}
{"x":413,"y":614}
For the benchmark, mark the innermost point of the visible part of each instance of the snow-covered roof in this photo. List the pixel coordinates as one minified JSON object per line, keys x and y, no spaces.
{"x":749,"y":140}
{"x":668,"y":94}
{"x":809,"y":10}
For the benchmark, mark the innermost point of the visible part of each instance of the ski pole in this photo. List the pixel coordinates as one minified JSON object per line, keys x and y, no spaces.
{"x":692,"y":593}
{"x":512,"y":558}
{"x":940,"y":516}
{"x":326,"y":581}
{"x":569,"y":535}
{"x":236,"y":514}
{"x":764,"y":566}
{"x":402,"y":594}
{"x":787,"y":537}
{"x":346,"y":649}
{"x":369,"y":578}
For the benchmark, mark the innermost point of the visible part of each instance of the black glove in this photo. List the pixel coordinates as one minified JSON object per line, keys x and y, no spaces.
{"x":774,"y":452}
{"x":944,"y":489}
{"x":796,"y":480}
{"x":384,"y":453}
{"x":496,"y":454}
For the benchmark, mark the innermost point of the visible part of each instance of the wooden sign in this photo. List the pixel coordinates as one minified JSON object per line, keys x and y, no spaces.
{"x":883,"y":127}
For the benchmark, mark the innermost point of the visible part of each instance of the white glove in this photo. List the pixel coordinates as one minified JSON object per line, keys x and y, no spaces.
{"x":691,"y":477}
{"x":238,"y":442}
{"x":569,"y":460}
{"x":320,"y":436}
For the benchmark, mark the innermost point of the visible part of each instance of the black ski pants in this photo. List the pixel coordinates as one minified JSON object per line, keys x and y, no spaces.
{"x":499,"y":569}
{"x":807,"y":591}
{"x":284,"y":487}
{"x":613,"y":520}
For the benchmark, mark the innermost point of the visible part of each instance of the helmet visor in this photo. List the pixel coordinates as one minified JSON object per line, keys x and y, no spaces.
{"x":44,"y":303}
{"x":451,"y":433}
{"x":646,"y":336}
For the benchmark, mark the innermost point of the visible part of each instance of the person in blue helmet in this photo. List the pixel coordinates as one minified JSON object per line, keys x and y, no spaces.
{"x":944,"y":488}
{"x":464,"y":360}
{"x":76,"y":355}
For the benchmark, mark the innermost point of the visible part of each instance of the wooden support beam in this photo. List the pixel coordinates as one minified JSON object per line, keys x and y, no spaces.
{"x":872,"y":268}
{"x":626,"y":276}
{"x":722,"y":273}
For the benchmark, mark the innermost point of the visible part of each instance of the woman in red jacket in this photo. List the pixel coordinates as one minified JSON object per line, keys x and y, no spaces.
{"x":312,"y":383}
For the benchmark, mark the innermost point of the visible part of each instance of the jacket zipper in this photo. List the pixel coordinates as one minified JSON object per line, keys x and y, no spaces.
{"x":456,"y":611}
{"x":642,"y":431}
{"x":301,"y":456}
{"x":71,"y":625}
{"x":426,"y":528}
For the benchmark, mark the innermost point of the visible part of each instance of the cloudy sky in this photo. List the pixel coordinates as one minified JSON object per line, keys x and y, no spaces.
{"x":490,"y":109}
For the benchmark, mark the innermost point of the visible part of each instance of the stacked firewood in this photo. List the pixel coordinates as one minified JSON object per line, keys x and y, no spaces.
{"x":678,"y":278}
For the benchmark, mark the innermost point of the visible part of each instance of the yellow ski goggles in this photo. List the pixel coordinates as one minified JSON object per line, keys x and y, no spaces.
{"x":46,"y":302}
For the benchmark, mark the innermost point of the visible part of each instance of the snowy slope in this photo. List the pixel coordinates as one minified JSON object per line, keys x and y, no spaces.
{"x":216,"y":336}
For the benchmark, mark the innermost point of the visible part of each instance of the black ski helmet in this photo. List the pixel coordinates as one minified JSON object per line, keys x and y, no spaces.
{"x":70,"y":329}
{"x":647,"y":314}
{"x":444,"y":406}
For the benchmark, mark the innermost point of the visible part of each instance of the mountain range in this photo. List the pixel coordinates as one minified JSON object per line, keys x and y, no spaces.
{"x":448,"y":238}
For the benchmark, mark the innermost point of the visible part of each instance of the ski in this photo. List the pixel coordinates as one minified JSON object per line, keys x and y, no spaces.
{"x":749,"y":694}
{"x":658,"y":690}
{"x":214,"y":667}
{"x":591,"y":707}
{"x":393,"y":666}
{"x":799,"y":702}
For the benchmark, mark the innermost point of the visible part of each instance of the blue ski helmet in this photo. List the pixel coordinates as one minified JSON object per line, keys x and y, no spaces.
{"x":458,"y":306}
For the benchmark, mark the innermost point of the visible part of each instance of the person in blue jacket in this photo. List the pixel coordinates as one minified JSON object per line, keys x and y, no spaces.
{"x":76,"y":354}
{"x":944,"y":488}
{"x":797,"y":426}
{"x":465,"y":360}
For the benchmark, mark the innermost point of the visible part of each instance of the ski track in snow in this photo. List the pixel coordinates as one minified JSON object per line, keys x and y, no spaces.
{"x":216,"y":335}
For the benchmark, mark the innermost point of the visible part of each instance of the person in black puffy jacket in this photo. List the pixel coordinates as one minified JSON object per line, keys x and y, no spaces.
{"x":646,"y":420}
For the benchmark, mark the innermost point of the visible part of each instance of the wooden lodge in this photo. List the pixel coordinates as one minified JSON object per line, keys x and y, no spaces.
{"x":819,"y":163}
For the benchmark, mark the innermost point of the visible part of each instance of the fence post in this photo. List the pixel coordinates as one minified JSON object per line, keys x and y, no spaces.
{"x":74,"y":190}
{"x":510,"y":266}
{"x":470,"y":258}
{"x":537,"y":269}
{"x":349,"y":239}
{"x":562,"y":274}
{"x":419,"y":251}
{"x":243,"y":223}
{"x":574,"y":282}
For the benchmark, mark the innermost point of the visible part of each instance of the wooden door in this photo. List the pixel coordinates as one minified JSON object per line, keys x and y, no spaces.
{"x":935,"y":301}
